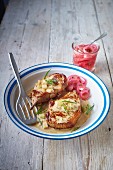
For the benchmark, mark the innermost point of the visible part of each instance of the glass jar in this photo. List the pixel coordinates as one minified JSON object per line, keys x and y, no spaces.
{"x":84,"y":55}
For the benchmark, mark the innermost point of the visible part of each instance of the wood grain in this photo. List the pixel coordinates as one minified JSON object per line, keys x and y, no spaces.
{"x":38,"y":31}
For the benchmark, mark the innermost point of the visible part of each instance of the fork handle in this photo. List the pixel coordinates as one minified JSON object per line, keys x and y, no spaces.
{"x":16,"y":72}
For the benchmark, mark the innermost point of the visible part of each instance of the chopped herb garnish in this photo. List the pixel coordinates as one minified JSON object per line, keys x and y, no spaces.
{"x":47,"y":73}
{"x":39,"y":111}
{"x":89,"y":109}
{"x":68,"y":101}
{"x":75,"y":128}
{"x":51,"y":81}
{"x":39,"y":120}
{"x":65,"y":107}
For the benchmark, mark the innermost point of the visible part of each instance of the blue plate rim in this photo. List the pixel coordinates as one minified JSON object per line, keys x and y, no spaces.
{"x":56,"y":64}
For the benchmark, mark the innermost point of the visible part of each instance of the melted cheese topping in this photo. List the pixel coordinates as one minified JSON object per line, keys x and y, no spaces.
{"x":47,"y":85}
{"x":66,"y":105}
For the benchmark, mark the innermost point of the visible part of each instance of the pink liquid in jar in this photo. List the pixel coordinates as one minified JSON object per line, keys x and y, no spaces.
{"x":84,"y":55}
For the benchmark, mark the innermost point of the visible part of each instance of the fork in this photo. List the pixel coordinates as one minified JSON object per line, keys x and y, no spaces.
{"x":23,"y":103}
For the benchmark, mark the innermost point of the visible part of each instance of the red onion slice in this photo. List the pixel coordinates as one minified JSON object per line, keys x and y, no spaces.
{"x":80,"y":87}
{"x":85,"y":93}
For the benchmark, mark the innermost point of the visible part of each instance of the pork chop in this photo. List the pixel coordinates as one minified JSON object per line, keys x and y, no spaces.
{"x":48,"y":88}
{"x":64,"y":112}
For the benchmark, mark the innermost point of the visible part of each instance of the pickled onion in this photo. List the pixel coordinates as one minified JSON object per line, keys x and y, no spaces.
{"x":79,"y":83}
{"x":90,"y":48}
{"x":83,"y":81}
{"x":85,"y":93}
{"x":74,"y":78}
{"x":80,"y":87}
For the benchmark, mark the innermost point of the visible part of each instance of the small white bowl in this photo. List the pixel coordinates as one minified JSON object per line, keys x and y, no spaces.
{"x":99,"y":97}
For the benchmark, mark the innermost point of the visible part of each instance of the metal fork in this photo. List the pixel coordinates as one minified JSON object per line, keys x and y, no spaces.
{"x":23,"y":103}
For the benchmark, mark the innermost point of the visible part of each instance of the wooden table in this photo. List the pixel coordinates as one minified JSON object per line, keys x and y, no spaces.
{"x":38,"y":31}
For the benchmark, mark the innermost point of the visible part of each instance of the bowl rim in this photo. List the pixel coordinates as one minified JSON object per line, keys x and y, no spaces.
{"x":78,"y":133}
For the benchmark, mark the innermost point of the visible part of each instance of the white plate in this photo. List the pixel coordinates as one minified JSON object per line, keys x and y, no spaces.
{"x":99,"y":97}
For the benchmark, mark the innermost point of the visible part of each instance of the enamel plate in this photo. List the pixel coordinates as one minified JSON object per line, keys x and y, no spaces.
{"x":99,"y":97}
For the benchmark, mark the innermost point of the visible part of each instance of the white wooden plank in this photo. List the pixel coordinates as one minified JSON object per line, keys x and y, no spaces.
{"x":21,"y":34}
{"x":64,"y":154}
{"x":105,"y":18}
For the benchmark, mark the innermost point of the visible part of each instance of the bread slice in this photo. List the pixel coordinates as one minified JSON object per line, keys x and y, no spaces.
{"x":64,"y":112}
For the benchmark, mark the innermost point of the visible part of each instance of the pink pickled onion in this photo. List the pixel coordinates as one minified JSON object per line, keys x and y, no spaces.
{"x":90,"y":48}
{"x":83,"y":81}
{"x":74,"y":78}
{"x":85,"y":93}
{"x":79,"y":83}
{"x":80,"y":87}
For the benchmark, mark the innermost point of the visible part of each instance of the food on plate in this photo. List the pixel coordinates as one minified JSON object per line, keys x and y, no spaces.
{"x":48,"y":88}
{"x":79,"y":84}
{"x":84,"y":55}
{"x":61,"y":102}
{"x":64,"y":112}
